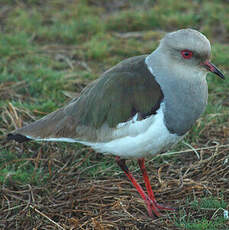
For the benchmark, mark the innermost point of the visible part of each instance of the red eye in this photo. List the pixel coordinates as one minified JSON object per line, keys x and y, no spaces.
{"x":187,"y":54}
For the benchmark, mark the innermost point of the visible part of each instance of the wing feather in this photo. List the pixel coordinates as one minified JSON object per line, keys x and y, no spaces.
{"x":120,"y":93}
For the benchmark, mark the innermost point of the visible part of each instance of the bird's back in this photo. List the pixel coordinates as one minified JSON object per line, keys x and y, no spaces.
{"x":118,"y":95}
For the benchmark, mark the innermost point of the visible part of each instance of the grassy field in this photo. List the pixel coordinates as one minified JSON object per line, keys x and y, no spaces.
{"x":50,"y":50}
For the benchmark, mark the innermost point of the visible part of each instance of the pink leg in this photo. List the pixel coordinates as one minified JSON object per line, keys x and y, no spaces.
{"x":150,"y":192}
{"x":150,"y":205}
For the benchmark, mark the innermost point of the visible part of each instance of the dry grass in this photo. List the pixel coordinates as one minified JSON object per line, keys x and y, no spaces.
{"x":71,"y":200}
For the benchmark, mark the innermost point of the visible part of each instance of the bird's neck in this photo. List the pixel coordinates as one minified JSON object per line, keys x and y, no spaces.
{"x":184,"y":88}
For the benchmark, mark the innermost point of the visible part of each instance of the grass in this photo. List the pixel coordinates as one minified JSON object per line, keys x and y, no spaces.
{"x":49,"y":52}
{"x":211,"y":207}
{"x":208,"y":203}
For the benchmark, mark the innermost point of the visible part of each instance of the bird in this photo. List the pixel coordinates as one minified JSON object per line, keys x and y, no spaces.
{"x":141,"y":107}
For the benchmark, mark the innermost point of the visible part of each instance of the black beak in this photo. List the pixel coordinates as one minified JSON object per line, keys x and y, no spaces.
{"x":212,"y":68}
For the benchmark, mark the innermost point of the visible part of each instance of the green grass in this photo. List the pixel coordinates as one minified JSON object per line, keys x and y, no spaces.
{"x":213,"y":209}
{"x":16,"y":168}
{"x":204,"y":224}
{"x":208,"y":203}
{"x":50,"y":47}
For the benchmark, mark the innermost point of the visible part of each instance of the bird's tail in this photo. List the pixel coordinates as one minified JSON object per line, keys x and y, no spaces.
{"x":53,"y":126}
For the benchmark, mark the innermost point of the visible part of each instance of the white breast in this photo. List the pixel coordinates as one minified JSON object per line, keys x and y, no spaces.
{"x":145,"y":137}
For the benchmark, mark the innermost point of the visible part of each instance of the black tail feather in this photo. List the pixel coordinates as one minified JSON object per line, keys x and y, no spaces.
{"x":17,"y":137}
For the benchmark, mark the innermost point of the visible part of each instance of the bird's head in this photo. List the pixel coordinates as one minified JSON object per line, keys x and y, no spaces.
{"x":189,"y":48}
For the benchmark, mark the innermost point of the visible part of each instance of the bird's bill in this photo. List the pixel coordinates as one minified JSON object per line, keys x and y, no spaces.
{"x":212,"y":68}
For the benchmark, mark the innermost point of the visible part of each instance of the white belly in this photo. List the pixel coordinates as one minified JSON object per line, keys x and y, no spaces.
{"x":133,"y":138}
{"x":146,"y":137}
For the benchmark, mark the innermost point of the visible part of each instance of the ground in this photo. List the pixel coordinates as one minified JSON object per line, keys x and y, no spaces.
{"x":50,"y":50}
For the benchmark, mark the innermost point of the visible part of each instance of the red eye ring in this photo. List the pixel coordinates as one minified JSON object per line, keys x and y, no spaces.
{"x":187,"y":54}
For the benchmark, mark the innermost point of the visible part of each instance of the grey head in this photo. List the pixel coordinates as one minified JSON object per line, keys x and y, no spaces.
{"x":180,"y":66}
{"x":186,"y":48}
{"x":195,"y":46}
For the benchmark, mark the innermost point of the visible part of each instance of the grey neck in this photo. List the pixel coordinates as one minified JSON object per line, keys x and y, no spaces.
{"x":185,"y":91}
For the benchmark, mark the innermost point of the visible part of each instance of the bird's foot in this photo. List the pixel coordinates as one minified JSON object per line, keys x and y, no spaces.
{"x":154,"y":208}
{"x":163,"y":207}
